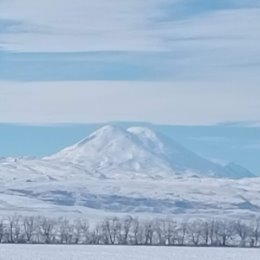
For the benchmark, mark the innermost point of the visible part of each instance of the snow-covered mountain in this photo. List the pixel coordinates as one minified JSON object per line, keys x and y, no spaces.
{"x":140,"y":151}
{"x":133,"y":171}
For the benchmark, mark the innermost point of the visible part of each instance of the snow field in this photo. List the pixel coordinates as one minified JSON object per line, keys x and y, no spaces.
{"x":50,"y":252}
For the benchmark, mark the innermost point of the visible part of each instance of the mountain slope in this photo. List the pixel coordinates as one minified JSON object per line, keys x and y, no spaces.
{"x":135,"y":171}
{"x":140,"y":151}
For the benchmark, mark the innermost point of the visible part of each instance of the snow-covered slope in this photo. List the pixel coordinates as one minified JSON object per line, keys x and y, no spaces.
{"x":140,"y":151}
{"x":133,"y":171}
{"x":113,"y":151}
{"x":238,"y":171}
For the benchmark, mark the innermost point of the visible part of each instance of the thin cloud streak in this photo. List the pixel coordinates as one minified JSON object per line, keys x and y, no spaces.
{"x":214,"y":44}
{"x":131,"y":25}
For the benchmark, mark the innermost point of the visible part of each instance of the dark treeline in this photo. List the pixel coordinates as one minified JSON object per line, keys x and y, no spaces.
{"x":130,"y":231}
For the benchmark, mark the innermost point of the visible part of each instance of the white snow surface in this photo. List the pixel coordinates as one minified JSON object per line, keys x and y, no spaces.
{"x":117,"y":172}
{"x":139,"y":151}
{"x":52,"y":252}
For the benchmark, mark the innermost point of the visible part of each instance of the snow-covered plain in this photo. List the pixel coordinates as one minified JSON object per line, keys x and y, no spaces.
{"x":50,"y":252}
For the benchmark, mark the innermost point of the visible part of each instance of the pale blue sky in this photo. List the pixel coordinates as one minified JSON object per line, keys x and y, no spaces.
{"x":169,"y":62}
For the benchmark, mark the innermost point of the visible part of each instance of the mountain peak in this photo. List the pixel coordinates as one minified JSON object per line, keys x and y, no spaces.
{"x":140,"y":151}
{"x":143,"y":131}
{"x":109,"y":129}
{"x":105,"y":133}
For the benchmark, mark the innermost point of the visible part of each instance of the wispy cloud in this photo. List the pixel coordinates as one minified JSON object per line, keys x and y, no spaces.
{"x":132,"y":25}
{"x":85,"y":25}
{"x":17,"y":27}
{"x":203,"y":55}
{"x":130,"y":66}
{"x":162,"y":39}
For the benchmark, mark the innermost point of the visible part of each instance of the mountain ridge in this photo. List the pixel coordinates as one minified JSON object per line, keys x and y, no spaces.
{"x":141,"y":150}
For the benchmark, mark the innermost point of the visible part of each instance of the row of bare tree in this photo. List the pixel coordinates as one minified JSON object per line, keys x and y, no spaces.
{"x":130,"y":231}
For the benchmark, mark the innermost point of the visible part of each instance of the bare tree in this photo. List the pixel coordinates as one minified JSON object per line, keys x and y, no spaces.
{"x":160,"y":231}
{"x":13,"y":229}
{"x":242,"y":230}
{"x":2,"y":230}
{"x":65,"y":231}
{"x":126,"y":228}
{"x":255,"y":227}
{"x":170,"y":230}
{"x":97,"y":235}
{"x":224,"y":232}
{"x":212,"y":233}
{"x":47,"y":228}
{"x":111,"y":230}
{"x":195,"y":231}
{"x":29,"y":225}
{"x":182,"y":233}
{"x":148,"y":232}
{"x":205,"y":232}
{"x":82,"y":226}
{"x":137,"y":232}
